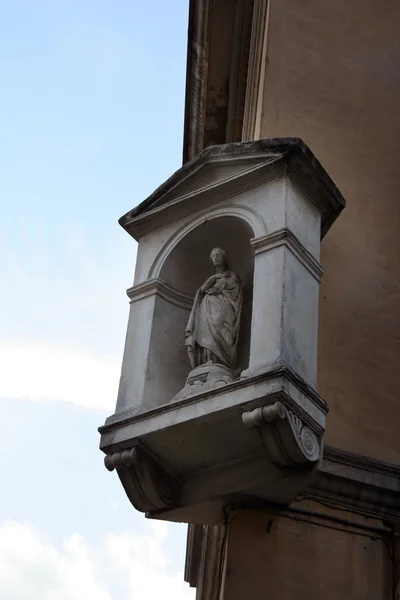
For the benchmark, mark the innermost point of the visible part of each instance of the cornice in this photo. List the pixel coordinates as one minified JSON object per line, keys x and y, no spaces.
{"x":217,"y":73}
{"x":361,"y":484}
{"x":365,"y":463}
{"x":171,"y":294}
{"x":167,"y":203}
{"x":284,"y":237}
{"x":266,"y":374}
{"x":241,"y":56}
{"x":159,"y":287}
{"x":193,"y":553}
{"x":210,"y":565}
{"x":274,"y":158}
{"x":345,"y":481}
{"x":196,"y":75}
{"x":256,"y":70}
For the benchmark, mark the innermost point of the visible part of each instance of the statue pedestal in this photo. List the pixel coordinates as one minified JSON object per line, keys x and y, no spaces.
{"x":203,"y":378}
{"x":258,"y":437}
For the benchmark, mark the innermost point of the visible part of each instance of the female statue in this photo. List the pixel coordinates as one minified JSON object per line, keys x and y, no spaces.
{"x":213,"y":328}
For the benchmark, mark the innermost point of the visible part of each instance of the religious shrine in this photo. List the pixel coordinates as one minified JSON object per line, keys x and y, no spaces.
{"x":217,"y":400}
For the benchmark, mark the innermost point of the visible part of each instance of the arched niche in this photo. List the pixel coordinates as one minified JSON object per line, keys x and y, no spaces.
{"x":184,"y":269}
{"x":187,"y":266}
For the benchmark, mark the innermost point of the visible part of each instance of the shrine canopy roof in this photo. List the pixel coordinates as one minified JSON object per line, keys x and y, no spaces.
{"x":230,"y":167}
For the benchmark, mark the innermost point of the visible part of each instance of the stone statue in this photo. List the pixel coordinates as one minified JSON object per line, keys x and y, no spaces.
{"x":213,"y":328}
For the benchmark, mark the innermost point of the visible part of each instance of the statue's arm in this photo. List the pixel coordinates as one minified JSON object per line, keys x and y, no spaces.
{"x":208,"y":284}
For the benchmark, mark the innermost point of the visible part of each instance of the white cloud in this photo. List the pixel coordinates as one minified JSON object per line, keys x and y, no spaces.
{"x":33,"y":567}
{"x":66,"y":315}
{"x":39,"y":371}
{"x":66,"y":311}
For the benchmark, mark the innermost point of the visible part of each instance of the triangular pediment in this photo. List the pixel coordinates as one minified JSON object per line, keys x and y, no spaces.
{"x":212,"y":173}
{"x":222,"y":170}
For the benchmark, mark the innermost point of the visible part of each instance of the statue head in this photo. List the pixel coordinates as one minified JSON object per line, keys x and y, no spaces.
{"x":219,"y":258}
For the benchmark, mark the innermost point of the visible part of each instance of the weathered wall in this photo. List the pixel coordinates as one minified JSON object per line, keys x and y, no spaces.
{"x":281,"y":558}
{"x":333,"y":79}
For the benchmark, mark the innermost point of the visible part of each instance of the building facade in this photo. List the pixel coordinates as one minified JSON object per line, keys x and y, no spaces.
{"x":327,"y":72}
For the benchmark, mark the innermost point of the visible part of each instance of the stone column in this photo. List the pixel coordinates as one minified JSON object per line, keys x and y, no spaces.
{"x":287,"y":274}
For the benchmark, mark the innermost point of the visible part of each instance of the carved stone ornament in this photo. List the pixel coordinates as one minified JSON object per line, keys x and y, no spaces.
{"x":147,"y":483}
{"x":286,"y":439}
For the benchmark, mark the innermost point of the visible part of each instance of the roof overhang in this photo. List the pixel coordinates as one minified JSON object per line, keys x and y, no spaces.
{"x":226,"y":45}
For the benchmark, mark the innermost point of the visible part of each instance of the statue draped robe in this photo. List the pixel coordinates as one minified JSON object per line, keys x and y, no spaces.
{"x":213,"y":328}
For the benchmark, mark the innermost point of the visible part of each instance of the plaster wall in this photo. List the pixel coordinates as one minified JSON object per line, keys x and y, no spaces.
{"x":136,"y":354}
{"x":280,"y":558}
{"x":333,"y":79}
{"x":168,"y":362}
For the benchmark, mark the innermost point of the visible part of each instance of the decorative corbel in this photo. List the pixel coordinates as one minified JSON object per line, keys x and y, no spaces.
{"x":286,"y":440}
{"x":148,"y":485}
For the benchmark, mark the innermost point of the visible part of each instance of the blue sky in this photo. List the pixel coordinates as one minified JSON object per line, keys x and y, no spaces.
{"x":91,"y":122}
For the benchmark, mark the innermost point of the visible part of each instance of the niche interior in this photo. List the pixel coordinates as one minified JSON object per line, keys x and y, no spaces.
{"x":184,"y":270}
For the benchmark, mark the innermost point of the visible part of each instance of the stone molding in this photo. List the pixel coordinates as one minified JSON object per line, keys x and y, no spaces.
{"x":148,"y":485}
{"x":396,"y":562}
{"x":286,"y":439}
{"x":196,"y":71}
{"x":344,"y":480}
{"x":272,"y":370}
{"x":246,"y":213}
{"x":158,"y":286}
{"x":210,"y":569}
{"x":178,"y":206}
{"x":365,"y":463}
{"x":194,"y":539}
{"x":202,"y":127}
{"x":357,"y":483}
{"x":286,"y":435}
{"x":238,"y":71}
{"x":267,"y":374}
{"x":256,"y":70}
{"x":284,"y":237}
{"x":350,"y":482}
{"x":167,"y":292}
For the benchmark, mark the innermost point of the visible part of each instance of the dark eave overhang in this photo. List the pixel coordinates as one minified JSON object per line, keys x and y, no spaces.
{"x":196,"y":68}
{"x":220,"y":38}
